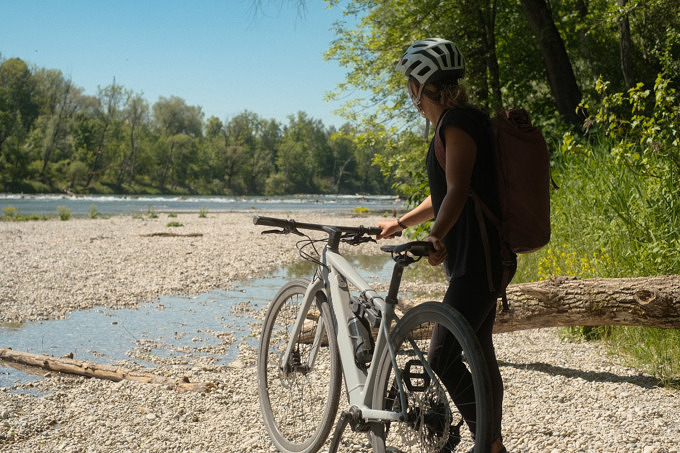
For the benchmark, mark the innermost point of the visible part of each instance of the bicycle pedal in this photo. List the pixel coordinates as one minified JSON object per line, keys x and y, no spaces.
{"x":415,"y":377}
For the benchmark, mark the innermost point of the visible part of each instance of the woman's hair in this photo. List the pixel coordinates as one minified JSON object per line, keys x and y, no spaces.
{"x":449,"y":93}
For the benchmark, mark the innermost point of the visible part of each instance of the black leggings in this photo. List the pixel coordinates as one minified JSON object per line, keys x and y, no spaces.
{"x":471,"y":297}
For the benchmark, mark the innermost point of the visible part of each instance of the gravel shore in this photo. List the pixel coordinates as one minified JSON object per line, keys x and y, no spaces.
{"x":559,"y":396}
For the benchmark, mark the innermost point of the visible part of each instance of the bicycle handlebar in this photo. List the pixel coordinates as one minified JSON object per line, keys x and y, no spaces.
{"x":290,"y":226}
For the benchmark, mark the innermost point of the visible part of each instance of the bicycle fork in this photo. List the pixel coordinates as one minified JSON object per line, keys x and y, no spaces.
{"x":289,"y":361}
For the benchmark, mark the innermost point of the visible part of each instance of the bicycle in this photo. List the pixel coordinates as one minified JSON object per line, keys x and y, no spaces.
{"x":317,"y":331}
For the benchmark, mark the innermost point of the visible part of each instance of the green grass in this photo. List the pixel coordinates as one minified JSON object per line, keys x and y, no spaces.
{"x":63,"y":213}
{"x":11,"y":214}
{"x":610,"y":220}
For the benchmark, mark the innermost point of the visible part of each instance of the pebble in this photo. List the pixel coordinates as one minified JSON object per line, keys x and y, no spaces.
{"x":560,"y":397}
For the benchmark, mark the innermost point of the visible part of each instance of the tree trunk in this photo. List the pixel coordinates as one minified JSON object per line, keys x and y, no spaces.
{"x":108,"y":372}
{"x":567,"y":301}
{"x":644,"y":301}
{"x":561,"y":76}
{"x":625,"y":43}
{"x":486,"y":16}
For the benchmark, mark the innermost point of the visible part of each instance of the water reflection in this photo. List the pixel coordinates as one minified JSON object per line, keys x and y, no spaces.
{"x":211,"y":324}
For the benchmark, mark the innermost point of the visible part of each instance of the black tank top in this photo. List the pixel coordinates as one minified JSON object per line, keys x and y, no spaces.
{"x":464,"y":245}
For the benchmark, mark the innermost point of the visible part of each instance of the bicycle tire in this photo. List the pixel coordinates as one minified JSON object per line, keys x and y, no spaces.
{"x":434,"y":422}
{"x":298,"y":409}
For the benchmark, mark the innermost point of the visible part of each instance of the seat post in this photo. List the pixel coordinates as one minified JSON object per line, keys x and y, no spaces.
{"x":401,"y":261}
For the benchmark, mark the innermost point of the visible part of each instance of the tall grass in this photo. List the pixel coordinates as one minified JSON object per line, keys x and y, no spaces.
{"x":609,"y":220}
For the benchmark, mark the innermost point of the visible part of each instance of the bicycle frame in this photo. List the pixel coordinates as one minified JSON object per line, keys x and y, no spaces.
{"x":337,"y":272}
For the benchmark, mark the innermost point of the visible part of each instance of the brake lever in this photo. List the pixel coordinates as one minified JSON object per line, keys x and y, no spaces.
{"x":274,"y":232}
{"x":356,"y":239}
{"x":283,"y":231}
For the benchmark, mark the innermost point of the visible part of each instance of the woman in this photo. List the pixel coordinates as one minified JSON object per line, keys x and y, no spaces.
{"x":434,"y":67}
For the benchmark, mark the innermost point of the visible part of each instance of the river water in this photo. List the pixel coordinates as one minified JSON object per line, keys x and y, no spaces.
{"x":170,"y":326}
{"x":133,"y":204}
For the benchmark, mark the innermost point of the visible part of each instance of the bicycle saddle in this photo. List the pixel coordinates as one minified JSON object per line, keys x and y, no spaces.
{"x":416,"y":248}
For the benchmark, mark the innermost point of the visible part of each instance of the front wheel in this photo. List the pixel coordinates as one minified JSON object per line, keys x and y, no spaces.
{"x":298,"y":399}
{"x":433,"y":421}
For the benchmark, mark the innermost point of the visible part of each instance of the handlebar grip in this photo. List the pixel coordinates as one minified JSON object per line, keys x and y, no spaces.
{"x":373,"y":231}
{"x":270,"y":221}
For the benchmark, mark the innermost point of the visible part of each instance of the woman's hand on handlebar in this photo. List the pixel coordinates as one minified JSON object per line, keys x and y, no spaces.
{"x":389,"y":229}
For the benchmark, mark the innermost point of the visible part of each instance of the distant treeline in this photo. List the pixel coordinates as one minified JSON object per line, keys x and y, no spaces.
{"x":55,"y":138}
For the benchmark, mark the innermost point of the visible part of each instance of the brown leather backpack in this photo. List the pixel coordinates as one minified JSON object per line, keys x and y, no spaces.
{"x":523,"y":174}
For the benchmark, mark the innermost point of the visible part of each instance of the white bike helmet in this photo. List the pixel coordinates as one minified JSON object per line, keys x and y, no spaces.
{"x":432,"y":59}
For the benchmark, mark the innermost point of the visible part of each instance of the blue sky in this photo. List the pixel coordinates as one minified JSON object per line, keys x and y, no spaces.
{"x":220,"y":55}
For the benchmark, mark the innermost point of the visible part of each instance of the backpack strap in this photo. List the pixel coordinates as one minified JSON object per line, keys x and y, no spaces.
{"x":507,"y":259}
{"x":479,"y":207}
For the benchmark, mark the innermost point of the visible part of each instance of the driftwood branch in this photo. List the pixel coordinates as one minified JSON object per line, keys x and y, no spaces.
{"x":89,"y":369}
{"x":166,"y":234}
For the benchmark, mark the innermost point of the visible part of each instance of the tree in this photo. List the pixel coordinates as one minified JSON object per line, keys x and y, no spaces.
{"x":178,"y":125}
{"x":261,"y":162}
{"x":173,"y":116}
{"x":110,"y":102}
{"x":625,"y":47}
{"x":137,"y":119}
{"x":57,"y":98}
{"x":18,"y":111}
{"x":560,"y":74}
{"x":303,"y":158}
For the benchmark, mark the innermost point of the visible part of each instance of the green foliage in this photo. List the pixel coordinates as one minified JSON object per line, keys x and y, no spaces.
{"x":10,"y":212}
{"x":63,"y":213}
{"x":617,"y":212}
{"x":174,"y":224}
{"x":405,"y":161}
{"x":203,"y":213}
{"x":657,"y":351}
{"x":93,"y":214}
{"x":53,"y":138}
{"x":151,"y":212}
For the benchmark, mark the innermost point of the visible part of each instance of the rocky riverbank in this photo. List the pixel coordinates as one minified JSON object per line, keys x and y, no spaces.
{"x":559,"y":396}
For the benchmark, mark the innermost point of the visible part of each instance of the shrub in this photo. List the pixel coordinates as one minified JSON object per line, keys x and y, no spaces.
{"x":63,"y":213}
{"x":11,"y":212}
{"x":93,"y":212}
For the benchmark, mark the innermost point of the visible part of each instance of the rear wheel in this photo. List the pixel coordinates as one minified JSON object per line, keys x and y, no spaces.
{"x":298,"y":401}
{"x":433,"y":422}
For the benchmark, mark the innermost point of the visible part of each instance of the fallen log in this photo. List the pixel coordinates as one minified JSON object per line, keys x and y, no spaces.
{"x":568,"y":301}
{"x":108,"y":372}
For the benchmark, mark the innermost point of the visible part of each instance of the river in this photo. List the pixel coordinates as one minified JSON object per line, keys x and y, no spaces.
{"x":81,"y":205}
